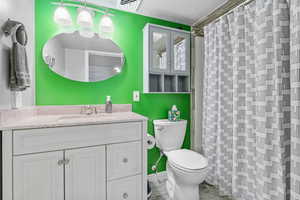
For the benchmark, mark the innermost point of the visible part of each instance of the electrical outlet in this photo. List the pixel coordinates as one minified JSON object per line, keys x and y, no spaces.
{"x":136,"y":96}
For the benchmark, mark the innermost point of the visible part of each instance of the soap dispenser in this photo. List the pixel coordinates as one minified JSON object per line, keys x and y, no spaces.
{"x":108,"y":105}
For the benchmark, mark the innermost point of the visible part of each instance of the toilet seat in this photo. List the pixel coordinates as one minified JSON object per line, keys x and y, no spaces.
{"x":187,"y":160}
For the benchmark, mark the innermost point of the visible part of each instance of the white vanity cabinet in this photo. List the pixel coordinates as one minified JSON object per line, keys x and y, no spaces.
{"x":167,"y":60}
{"x":89,"y":162}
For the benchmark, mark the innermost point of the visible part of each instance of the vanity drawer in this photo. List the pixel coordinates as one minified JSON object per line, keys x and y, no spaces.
{"x":124,"y":160}
{"x":125,"y":189}
{"x":51,"y":139}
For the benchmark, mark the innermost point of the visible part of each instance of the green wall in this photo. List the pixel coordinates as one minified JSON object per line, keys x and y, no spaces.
{"x":52,"y":89}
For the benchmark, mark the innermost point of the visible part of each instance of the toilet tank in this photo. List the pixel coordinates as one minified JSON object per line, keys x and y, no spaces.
{"x":169,"y":135}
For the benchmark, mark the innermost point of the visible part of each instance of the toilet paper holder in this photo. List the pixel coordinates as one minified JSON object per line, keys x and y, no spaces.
{"x":150,"y":141}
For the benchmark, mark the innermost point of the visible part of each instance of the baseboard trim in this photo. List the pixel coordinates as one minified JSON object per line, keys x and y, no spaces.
{"x":160,"y":176}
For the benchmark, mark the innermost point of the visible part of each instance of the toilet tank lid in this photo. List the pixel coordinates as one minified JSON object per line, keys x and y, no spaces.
{"x":167,"y":122}
{"x":188,"y":159}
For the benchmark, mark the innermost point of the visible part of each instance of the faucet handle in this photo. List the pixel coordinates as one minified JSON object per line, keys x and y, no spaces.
{"x":95,"y":110}
{"x":82,"y":110}
{"x":87,"y":109}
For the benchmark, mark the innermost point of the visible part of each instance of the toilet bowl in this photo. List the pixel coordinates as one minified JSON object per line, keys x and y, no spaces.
{"x":186,"y":169}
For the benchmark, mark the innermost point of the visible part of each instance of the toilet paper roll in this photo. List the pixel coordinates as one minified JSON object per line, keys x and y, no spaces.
{"x":150,"y":141}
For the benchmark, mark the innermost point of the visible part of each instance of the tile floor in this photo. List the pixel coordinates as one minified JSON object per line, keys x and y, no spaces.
{"x":206,"y":192}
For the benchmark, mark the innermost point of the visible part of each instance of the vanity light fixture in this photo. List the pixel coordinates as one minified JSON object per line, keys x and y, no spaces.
{"x":85,"y":18}
{"x":62,"y":16}
{"x":85,"y":21}
{"x":106,"y":26}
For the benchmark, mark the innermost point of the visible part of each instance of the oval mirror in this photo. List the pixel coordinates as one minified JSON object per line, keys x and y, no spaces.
{"x":83,"y":59}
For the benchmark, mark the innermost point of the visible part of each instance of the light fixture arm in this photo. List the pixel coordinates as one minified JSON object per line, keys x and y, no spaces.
{"x":104,"y":11}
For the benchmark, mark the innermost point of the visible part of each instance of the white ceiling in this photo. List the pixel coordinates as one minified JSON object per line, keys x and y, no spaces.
{"x":181,"y":11}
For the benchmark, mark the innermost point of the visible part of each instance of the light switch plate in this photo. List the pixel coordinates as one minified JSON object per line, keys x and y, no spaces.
{"x":136,"y":96}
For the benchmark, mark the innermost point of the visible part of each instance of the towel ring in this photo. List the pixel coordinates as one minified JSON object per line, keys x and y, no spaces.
{"x":21,"y":35}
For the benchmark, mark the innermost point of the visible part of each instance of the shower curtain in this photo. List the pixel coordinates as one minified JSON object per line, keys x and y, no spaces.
{"x":246,"y":118}
{"x":295,"y":99}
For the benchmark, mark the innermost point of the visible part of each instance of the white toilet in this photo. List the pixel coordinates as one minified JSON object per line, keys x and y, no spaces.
{"x":186,"y":169}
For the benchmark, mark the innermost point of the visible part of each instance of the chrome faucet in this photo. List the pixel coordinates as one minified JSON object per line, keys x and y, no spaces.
{"x":88,"y":110}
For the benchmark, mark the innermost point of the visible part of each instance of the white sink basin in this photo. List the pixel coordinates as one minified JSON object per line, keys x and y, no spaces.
{"x":68,"y":118}
{"x":81,"y":117}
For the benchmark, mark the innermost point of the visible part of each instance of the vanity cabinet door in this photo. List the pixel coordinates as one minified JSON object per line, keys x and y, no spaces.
{"x":85,"y":174}
{"x":38,"y":177}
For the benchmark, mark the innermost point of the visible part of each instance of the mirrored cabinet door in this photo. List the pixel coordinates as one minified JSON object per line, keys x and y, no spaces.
{"x":159,"y":50}
{"x":180,"y":49}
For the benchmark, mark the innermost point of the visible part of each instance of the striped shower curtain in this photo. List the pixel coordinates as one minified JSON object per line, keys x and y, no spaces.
{"x":247,"y":107}
{"x":295,"y":99}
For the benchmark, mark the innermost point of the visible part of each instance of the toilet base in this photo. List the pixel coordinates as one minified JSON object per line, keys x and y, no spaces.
{"x":183,"y":192}
{"x":177,"y":191}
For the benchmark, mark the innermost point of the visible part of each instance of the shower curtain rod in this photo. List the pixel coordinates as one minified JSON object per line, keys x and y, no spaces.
{"x":231,"y":11}
{"x":225,"y":9}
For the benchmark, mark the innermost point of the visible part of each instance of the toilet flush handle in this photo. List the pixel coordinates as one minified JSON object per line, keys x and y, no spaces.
{"x":160,"y":128}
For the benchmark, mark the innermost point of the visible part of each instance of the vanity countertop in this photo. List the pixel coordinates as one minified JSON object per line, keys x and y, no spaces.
{"x":51,"y":117}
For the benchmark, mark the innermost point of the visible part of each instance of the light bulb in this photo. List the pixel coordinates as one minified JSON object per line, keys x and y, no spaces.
{"x":106,"y":25}
{"x":117,"y":70}
{"x":62,"y":16}
{"x":85,"y":19}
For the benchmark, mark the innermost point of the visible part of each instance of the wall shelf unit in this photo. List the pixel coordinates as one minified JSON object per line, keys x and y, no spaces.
{"x":167,"y":60}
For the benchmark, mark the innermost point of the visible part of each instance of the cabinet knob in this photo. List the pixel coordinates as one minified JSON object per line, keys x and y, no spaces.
{"x":67,"y":161}
{"x":63,"y":162}
{"x":60,"y":162}
{"x":125,"y":160}
{"x":125,"y":195}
